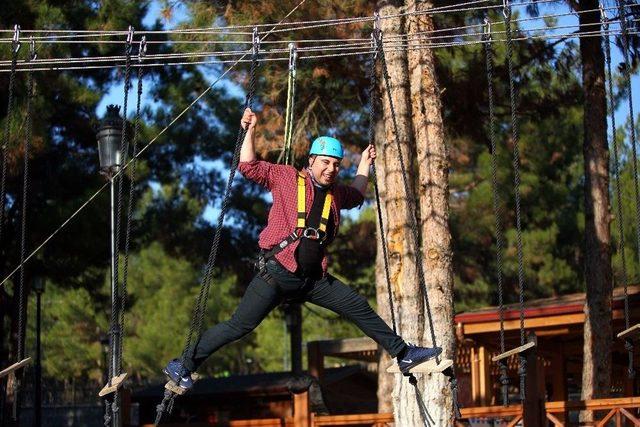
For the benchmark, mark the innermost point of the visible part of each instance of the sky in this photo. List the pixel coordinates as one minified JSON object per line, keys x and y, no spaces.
{"x":115,"y":94}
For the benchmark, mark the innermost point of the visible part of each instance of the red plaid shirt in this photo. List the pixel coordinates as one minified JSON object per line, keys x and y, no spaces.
{"x":282,"y":181}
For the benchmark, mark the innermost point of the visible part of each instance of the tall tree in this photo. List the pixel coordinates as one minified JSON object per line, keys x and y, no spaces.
{"x":432,"y":162}
{"x":598,"y":334}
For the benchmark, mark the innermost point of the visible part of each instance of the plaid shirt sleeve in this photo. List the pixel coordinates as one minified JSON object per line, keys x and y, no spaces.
{"x":349,"y":197}
{"x":264,"y":173}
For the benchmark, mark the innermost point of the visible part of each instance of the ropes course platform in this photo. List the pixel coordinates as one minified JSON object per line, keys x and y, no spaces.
{"x":11,"y":369}
{"x":513,"y":351}
{"x":116,"y":383}
{"x":428,"y":367}
{"x":175,"y":388}
{"x":629,"y":333}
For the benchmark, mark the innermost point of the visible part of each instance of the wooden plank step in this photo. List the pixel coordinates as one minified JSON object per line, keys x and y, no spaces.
{"x":116,"y":383}
{"x":428,"y":367}
{"x":175,"y":388}
{"x":513,"y":351}
{"x":628,"y":333}
{"x":11,"y":369}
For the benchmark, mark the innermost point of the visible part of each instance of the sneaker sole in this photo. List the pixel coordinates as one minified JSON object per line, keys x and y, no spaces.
{"x":178,"y":383}
{"x":407,"y":369}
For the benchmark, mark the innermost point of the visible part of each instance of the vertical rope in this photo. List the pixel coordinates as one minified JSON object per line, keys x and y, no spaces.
{"x":413,"y":225}
{"x":497,"y":205}
{"x":131,"y":201}
{"x":373,"y":112}
{"x":15,"y":47}
{"x":628,"y":342}
{"x":412,"y":214}
{"x":291,"y":91}
{"x":203,"y":296}
{"x":522,"y":372}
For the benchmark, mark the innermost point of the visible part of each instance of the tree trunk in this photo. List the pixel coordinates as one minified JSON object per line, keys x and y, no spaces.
{"x":596,"y":370}
{"x":433,"y":192}
{"x":385,"y":381}
{"x":402,"y":246}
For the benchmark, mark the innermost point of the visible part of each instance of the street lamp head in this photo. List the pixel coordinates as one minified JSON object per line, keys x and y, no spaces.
{"x":37,"y":284}
{"x":109,"y":137}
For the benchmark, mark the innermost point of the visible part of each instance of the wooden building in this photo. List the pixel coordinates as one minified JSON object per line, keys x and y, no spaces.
{"x":348,"y":393}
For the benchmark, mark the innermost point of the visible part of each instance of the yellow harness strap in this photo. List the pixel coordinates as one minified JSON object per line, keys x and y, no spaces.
{"x":302,"y":211}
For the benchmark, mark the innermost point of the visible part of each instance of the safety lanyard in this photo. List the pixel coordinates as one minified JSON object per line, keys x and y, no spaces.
{"x":302,"y":211}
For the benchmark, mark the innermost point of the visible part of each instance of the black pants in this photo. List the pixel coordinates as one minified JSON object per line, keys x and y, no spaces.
{"x":261,"y":297}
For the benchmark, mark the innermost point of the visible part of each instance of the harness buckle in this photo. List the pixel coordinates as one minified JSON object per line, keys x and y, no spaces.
{"x":313,"y":233}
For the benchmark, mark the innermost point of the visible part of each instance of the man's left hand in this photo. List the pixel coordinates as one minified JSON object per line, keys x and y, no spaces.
{"x":369,"y":155}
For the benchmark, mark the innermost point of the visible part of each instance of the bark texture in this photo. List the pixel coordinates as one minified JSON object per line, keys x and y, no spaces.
{"x":596,"y":371}
{"x":433,"y":193}
{"x":416,"y":101}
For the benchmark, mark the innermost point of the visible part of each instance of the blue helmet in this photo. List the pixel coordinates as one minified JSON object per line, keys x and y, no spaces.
{"x":326,"y":146}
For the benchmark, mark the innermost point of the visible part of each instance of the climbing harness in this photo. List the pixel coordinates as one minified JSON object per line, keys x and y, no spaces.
{"x":291,"y":96}
{"x":301,"y":230}
{"x":201,"y":302}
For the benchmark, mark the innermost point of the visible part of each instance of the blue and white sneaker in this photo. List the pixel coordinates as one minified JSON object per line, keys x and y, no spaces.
{"x":180,"y":375}
{"x":416,"y":355}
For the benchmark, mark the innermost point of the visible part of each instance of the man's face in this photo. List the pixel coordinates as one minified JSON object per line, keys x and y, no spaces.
{"x":324,"y":168}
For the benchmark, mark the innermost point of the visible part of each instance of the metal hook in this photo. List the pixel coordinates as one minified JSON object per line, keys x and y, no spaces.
{"x":256,"y":41}
{"x":16,"y":38}
{"x":506,"y":8}
{"x":293,"y":57}
{"x":487,"y":28}
{"x":130,"y":34}
{"x":129,"y":40}
{"x":603,"y":16}
{"x":32,"y":49}
{"x":142,"y":50}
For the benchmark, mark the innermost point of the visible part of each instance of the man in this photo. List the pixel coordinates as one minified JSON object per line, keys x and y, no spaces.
{"x":303,"y":221}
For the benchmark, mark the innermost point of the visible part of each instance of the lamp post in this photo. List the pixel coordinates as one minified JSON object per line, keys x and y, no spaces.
{"x":109,"y":137}
{"x":38,"y":287}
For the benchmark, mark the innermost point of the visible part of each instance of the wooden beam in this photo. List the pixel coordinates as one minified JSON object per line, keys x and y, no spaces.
{"x":116,"y":383}
{"x":475,"y":377}
{"x":556,"y":422}
{"x":532,"y":323}
{"x":514,"y":421}
{"x":630,"y":416}
{"x":301,"y":409}
{"x":349,"y":345}
{"x":428,"y":367}
{"x":11,"y":369}
{"x":484,"y":376}
{"x":533,"y":411}
{"x":315,"y":359}
{"x":491,"y":411}
{"x":513,"y":351}
{"x":628,"y":333}
{"x":593,"y":405}
{"x":606,"y":419}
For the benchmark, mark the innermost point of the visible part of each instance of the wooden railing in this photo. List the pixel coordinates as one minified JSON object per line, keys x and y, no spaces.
{"x":373,"y":420}
{"x":620,"y":410}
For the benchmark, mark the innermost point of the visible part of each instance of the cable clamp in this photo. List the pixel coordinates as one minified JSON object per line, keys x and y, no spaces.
{"x":506,"y":8}
{"x":16,"y":38}
{"x":293,"y":57}
{"x":142,"y":49}
{"x":487,"y":28}
{"x":32,"y":49}
{"x":129,"y":39}
{"x":256,"y":41}
{"x":603,"y":17}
